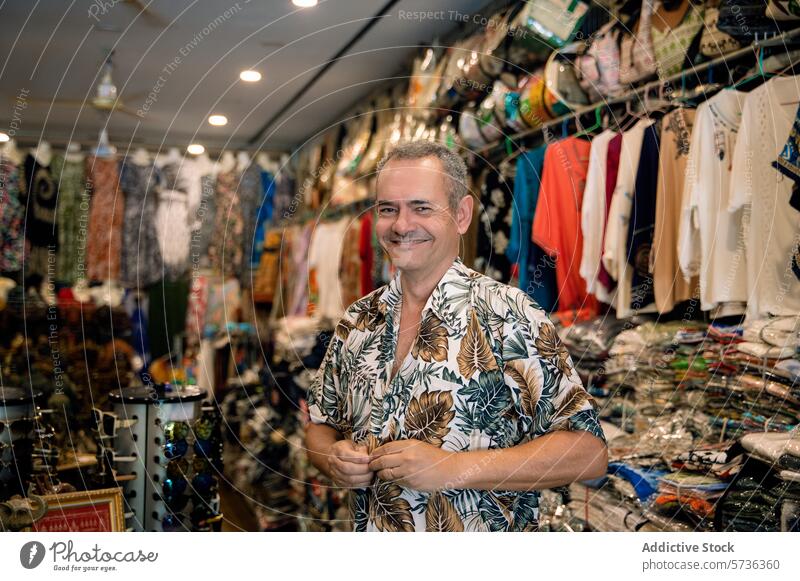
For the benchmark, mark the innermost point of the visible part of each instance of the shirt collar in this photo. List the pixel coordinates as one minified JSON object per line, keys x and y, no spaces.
{"x":450,"y":299}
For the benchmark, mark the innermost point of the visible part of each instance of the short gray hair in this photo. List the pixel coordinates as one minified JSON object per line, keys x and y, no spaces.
{"x":454,"y":167}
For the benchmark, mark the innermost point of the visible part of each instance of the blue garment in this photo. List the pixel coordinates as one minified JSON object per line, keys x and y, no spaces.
{"x":643,"y":219}
{"x":645,"y":482}
{"x":264,"y":215}
{"x":537,"y":271}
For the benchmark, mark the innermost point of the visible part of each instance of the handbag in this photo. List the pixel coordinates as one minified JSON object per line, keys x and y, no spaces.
{"x":598,"y":68}
{"x":746,"y":20}
{"x":714,"y":42}
{"x":637,"y":60}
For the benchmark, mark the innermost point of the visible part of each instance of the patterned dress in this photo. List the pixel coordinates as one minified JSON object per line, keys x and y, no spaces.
{"x":72,"y":214}
{"x":12,"y":214}
{"x":141,"y":257}
{"x":226,"y":249}
{"x":486,"y":371}
{"x":106,"y":216}
{"x":41,"y":228}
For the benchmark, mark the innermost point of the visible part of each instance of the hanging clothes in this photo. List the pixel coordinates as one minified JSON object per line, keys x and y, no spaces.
{"x":593,"y":216}
{"x":226,"y":247}
{"x":106,"y":217}
{"x":40,"y":193}
{"x":496,"y":202}
{"x":72,"y":215}
{"x":365,"y":252}
{"x":297,"y":288}
{"x":616,"y":238}
{"x":203,"y":222}
{"x":556,"y":224}
{"x":642,"y":223}
{"x":773,"y":232}
{"x":173,"y":218}
{"x":141,"y":260}
{"x":350,"y":267}
{"x":669,"y":285}
{"x":537,"y":271}
{"x":12,"y":217}
{"x":712,"y":238}
{"x":263,"y":214}
{"x":324,"y":259}
{"x":167,"y":305}
{"x":250,"y":194}
{"x":612,"y":171}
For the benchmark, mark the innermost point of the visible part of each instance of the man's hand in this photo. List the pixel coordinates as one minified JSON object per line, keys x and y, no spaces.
{"x":348,"y":464}
{"x":414,"y":464}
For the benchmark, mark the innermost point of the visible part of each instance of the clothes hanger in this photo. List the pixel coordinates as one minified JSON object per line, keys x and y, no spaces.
{"x":597,"y":124}
{"x":760,"y":74}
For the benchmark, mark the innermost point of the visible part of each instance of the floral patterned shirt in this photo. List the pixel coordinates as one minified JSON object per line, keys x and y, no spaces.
{"x":487,"y":370}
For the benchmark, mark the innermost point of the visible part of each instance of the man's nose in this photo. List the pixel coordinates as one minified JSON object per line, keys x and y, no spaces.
{"x":403,"y":222}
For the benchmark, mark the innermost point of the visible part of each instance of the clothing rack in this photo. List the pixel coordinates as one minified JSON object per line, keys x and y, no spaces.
{"x":498,"y":148}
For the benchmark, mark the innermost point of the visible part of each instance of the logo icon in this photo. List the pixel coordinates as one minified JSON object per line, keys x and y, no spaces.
{"x":31,"y":554}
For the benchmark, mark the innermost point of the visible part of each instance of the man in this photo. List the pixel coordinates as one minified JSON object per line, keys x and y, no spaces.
{"x":446,"y":399}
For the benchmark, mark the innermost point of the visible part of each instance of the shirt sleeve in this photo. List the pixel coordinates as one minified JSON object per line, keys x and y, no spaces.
{"x":327,"y":397}
{"x":545,"y":387}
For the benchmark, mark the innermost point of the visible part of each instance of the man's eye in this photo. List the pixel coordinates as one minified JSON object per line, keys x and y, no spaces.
{"x":423,"y":209}
{"x":385,"y":211}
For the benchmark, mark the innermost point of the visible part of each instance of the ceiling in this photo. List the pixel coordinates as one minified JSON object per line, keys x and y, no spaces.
{"x":51,"y":56}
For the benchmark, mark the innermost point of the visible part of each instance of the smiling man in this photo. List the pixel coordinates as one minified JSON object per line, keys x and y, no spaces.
{"x":446,"y":400}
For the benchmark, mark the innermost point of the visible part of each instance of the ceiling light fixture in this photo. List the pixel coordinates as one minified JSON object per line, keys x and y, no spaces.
{"x":250,"y":76}
{"x":218,"y":120}
{"x":304,"y":3}
{"x":4,"y":137}
{"x":195,"y":149}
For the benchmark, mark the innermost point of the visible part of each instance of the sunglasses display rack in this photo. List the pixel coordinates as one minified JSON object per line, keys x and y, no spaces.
{"x":178,"y":450}
{"x":18,"y":440}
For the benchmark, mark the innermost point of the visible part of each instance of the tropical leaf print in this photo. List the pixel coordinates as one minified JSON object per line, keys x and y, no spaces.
{"x":389,"y":510}
{"x":525,"y":377}
{"x":572,"y":403}
{"x":343,"y":329}
{"x":369,"y":315}
{"x":490,"y":397}
{"x":359,"y":509}
{"x":475,"y":353}
{"x":496,"y":512}
{"x":550,"y":347}
{"x":440,"y":516}
{"x":431,"y":344}
{"x":428,"y":417}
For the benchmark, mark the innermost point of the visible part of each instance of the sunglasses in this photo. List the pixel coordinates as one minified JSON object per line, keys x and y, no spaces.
{"x":176,"y":439}
{"x":108,"y":423}
{"x":111,"y":457}
{"x":177,"y":479}
{"x":17,"y":428}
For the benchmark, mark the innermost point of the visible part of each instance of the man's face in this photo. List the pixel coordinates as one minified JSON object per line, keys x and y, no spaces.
{"x":415,"y":224}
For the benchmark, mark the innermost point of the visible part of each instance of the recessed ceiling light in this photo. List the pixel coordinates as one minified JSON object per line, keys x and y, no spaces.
{"x":195,"y":149}
{"x":4,"y":137}
{"x":218,"y":120}
{"x":304,"y":3}
{"x":250,"y":76}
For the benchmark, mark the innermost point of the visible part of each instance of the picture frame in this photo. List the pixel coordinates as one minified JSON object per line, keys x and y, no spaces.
{"x":87,"y":511}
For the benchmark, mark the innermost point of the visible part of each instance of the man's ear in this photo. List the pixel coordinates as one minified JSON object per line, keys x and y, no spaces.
{"x":464,"y":213}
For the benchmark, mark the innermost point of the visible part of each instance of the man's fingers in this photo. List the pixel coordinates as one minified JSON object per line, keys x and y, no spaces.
{"x":389,"y":448}
{"x":350,"y":468}
{"x":390,"y":474}
{"x":354,"y":458}
{"x":387,"y":461}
